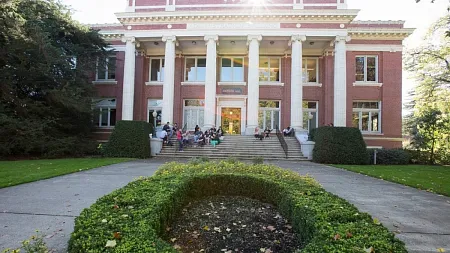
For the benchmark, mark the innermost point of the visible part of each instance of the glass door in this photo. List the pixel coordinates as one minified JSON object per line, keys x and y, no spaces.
{"x":231,"y":120}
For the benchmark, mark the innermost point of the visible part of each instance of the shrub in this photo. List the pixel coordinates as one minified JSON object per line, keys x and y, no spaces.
{"x":129,"y":139}
{"x":135,"y":217}
{"x":339,"y":145}
{"x":258,"y":160}
{"x":198,"y":160}
{"x":390,"y":156}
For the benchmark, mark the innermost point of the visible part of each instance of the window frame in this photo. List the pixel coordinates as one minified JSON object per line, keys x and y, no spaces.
{"x":196,"y":71}
{"x":200,"y":109}
{"x":366,"y":68}
{"x":370,"y":111}
{"x":305,"y":66}
{"x":161,"y":81}
{"x":279,"y":69}
{"x":100,"y":108}
{"x":308,"y":110}
{"x":106,"y":79}
{"x":154,"y":108}
{"x":271,"y":109}
{"x":232,"y":68}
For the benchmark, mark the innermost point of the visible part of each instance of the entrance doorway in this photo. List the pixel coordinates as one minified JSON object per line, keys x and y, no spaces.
{"x":231,"y":120}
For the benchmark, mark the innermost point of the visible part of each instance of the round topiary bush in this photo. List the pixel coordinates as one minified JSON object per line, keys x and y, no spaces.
{"x":135,"y":218}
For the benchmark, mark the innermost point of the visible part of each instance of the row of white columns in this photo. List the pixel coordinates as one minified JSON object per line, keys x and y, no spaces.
{"x":253,"y":42}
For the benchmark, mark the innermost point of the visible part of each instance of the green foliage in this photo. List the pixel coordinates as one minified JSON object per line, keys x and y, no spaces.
{"x":45,"y":100}
{"x":390,"y":156}
{"x":129,"y":139}
{"x":258,"y":160}
{"x":428,"y":124}
{"x":198,"y":160}
{"x":339,"y":145}
{"x":35,"y":244}
{"x":141,"y":211}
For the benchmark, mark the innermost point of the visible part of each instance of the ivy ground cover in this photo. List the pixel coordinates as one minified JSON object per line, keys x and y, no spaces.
{"x":136,"y":218}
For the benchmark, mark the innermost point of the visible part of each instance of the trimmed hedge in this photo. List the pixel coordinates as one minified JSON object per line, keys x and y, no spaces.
{"x":129,"y":139}
{"x":135,"y":217}
{"x":390,"y":156}
{"x":339,"y":145}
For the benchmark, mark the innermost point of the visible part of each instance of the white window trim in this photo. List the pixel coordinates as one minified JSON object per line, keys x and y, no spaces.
{"x":365,"y":82}
{"x":233,"y":83}
{"x":264,"y":83}
{"x":305,"y":65}
{"x":198,"y":108}
{"x":308,"y":110}
{"x":279,"y":69}
{"x":105,"y":80}
{"x":159,"y":82}
{"x":265,"y":109}
{"x":195,"y":82}
{"x":369,"y":110}
{"x":232,"y":72}
{"x":100,"y":116}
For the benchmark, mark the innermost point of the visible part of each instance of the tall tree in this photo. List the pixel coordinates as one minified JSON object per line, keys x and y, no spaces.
{"x":429,"y":122}
{"x":45,"y":62}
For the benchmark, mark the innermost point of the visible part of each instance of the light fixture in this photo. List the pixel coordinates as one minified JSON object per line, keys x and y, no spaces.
{"x":310,"y":115}
{"x":154,"y":114}
{"x":194,"y":42}
{"x":311,"y":43}
{"x":156,"y":43}
{"x":233,"y":42}
{"x":272,"y":42}
{"x":231,"y":113}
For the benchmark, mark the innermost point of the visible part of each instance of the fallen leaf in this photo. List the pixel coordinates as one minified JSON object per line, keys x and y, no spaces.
{"x":262,"y":249}
{"x":228,"y":229}
{"x":116,"y":207}
{"x":440,"y":250}
{"x":111,"y":244}
{"x":349,"y":235}
{"x":268,"y":251}
{"x":337,"y":237}
{"x":206,"y":228}
{"x":271,"y":228}
{"x":376,"y":221}
{"x":369,"y":250}
{"x":217,"y":229}
{"x":176,"y":246}
{"x":117,"y":235}
{"x":173,"y":239}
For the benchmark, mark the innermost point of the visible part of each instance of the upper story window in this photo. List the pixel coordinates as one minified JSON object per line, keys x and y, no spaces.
{"x":195,"y":69}
{"x":367,"y":69}
{"x":269,"y":69}
{"x":310,"y":70}
{"x":105,"y":113}
{"x":232,"y":69}
{"x":156,"y":70}
{"x":366,"y":116}
{"x":106,"y":68}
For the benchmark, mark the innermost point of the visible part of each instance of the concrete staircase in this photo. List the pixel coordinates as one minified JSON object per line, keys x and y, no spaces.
{"x":240,"y":147}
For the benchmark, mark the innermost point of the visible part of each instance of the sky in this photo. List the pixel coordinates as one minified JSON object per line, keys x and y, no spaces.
{"x":417,"y":15}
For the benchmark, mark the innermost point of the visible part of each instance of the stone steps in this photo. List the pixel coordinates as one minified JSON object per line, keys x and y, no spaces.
{"x":241,"y":147}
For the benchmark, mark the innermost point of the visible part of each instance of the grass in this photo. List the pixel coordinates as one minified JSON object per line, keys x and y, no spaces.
{"x":425,"y":177}
{"x":19,"y":172}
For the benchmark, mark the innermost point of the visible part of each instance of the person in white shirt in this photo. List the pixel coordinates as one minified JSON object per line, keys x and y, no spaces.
{"x":163,"y":136}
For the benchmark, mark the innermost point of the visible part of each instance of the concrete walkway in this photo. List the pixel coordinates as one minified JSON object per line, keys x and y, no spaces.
{"x":421,"y":219}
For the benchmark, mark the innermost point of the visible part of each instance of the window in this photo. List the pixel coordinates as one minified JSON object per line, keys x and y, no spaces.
{"x":106,"y":68}
{"x":155,"y":105}
{"x":367,"y":69}
{"x":105,"y":112}
{"x":310,"y":115}
{"x":269,"y":69}
{"x":193,"y":113}
{"x":232,"y":69}
{"x":195,"y":69}
{"x":366,"y":116}
{"x":310,"y":70}
{"x":269,"y":114}
{"x":156,"y":70}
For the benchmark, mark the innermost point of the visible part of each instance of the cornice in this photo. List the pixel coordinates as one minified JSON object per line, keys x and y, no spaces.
{"x":380,"y":33}
{"x":332,"y":16}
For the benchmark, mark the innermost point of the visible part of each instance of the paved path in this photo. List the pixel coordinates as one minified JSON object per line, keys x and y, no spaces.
{"x":423,"y":219}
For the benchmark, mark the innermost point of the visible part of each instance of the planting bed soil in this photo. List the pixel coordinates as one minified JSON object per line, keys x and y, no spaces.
{"x":231,"y":224}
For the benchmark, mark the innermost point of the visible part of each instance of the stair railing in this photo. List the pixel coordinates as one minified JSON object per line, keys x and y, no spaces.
{"x":282,"y":141}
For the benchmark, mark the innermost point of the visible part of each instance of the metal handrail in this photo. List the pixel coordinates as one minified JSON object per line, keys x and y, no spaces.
{"x":282,"y":141}
{"x":184,"y":128}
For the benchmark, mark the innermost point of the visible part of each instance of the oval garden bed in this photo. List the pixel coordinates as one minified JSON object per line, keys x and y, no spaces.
{"x":136,"y":218}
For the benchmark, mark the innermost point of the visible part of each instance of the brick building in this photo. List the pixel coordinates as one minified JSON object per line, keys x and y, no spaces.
{"x":246,"y":63}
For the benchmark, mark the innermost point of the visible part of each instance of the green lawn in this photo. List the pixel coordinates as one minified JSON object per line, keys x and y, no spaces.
{"x":431,"y":178}
{"x":19,"y":172}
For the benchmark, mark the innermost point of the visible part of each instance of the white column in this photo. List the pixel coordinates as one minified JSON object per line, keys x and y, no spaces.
{"x":253,"y":83}
{"x":128,"y":78}
{"x":210,"y":81}
{"x":169,"y":79}
{"x":297,"y":83}
{"x":340,"y":81}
